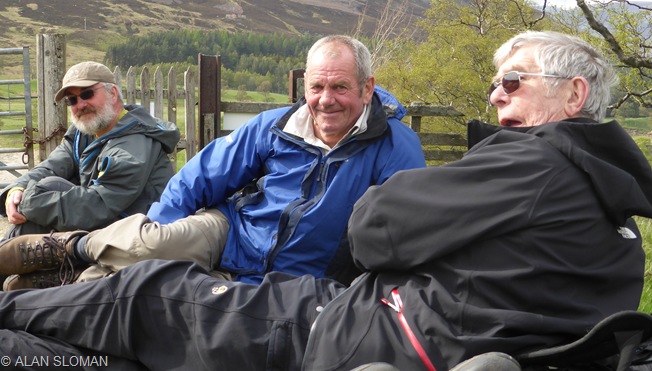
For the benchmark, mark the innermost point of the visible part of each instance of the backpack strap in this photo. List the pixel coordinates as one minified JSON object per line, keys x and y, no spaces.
{"x":616,"y":339}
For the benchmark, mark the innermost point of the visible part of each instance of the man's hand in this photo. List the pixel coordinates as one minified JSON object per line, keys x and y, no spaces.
{"x":13,"y":200}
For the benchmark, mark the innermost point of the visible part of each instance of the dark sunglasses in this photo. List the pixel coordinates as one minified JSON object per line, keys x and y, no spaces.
{"x":85,"y":95}
{"x":511,"y":81}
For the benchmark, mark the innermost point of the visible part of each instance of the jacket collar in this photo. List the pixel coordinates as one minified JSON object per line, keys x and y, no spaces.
{"x":376,"y":123}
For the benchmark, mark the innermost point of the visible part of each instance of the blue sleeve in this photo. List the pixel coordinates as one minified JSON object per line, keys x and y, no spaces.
{"x":220,"y":169}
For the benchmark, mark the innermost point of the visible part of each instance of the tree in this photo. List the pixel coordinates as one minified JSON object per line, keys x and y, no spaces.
{"x":453,"y":65}
{"x":265,"y":88}
{"x":241,"y":95}
{"x":393,"y":25}
{"x":624,"y":29}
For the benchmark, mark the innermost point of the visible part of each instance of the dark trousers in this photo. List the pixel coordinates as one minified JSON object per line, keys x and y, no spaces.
{"x":167,"y":315}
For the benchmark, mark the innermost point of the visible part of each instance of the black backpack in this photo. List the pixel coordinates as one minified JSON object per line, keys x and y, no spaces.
{"x":620,"y":342}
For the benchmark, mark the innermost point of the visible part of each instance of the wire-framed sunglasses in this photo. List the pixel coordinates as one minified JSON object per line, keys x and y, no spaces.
{"x":85,"y":95}
{"x":511,"y":81}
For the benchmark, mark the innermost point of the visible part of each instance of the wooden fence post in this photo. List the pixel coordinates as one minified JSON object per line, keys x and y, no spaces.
{"x":415,"y":121}
{"x":296,"y":84}
{"x":50,"y":69}
{"x":117,"y":76}
{"x":209,"y":98}
{"x":172,"y":95}
{"x":131,"y":86}
{"x":191,"y":133}
{"x":158,"y":93}
{"x":144,"y":88}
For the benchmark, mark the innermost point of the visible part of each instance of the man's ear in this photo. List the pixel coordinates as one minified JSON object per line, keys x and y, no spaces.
{"x":114,"y":92}
{"x":368,"y":90}
{"x":579,"y":93}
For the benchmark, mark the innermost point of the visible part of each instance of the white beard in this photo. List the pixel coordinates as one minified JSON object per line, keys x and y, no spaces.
{"x":93,"y":121}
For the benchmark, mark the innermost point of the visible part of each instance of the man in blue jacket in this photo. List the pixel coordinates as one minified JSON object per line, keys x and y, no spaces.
{"x":275,"y":195}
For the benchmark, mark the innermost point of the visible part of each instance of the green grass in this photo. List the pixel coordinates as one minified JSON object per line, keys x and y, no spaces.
{"x":645,"y":226}
{"x":230,"y":96}
{"x":637,"y":123}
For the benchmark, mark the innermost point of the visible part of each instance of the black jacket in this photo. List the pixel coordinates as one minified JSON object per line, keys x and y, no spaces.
{"x":525,"y":243}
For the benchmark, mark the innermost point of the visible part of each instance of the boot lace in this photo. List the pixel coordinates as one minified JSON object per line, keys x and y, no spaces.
{"x":67,"y":271}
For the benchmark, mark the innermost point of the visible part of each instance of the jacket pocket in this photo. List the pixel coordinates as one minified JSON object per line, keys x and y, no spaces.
{"x":251,"y":194}
{"x":282,"y":352}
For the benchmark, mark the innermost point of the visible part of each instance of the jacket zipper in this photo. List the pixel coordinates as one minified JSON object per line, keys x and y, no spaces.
{"x":311,"y":337}
{"x":321,"y":183}
{"x":398,"y":307}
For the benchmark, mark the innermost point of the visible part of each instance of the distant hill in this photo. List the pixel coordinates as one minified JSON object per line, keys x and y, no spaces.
{"x":91,"y":24}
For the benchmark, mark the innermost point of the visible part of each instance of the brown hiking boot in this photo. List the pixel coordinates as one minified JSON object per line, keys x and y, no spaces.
{"x":33,"y":252}
{"x":35,"y":280}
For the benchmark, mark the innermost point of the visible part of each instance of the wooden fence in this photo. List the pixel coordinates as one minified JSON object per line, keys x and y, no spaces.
{"x":206,"y":115}
{"x":450,"y":146}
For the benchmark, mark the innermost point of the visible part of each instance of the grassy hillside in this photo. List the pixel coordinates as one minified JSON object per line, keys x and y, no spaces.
{"x":90,"y":25}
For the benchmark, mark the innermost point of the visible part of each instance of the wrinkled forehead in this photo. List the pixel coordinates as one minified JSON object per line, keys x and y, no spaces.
{"x":521,"y":60}
{"x":508,"y":50}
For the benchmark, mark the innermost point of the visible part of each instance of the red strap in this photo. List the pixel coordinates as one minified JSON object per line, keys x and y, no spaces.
{"x":398,"y":307}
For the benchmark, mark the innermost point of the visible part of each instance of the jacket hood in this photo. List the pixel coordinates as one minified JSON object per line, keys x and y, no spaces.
{"x":618,"y":170}
{"x":391,"y":105}
{"x":138,"y":121}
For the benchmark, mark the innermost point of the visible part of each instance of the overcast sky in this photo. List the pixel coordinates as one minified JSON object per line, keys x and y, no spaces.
{"x":572,"y":3}
{"x":561,"y":3}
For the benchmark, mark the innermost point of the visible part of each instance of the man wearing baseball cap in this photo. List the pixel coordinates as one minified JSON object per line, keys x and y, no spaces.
{"x":113,"y":162}
{"x":83,"y":75}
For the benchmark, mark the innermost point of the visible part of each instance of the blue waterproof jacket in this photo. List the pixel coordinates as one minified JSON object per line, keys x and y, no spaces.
{"x":287,"y":202}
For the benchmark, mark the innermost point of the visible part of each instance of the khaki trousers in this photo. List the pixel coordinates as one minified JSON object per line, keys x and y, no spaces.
{"x":199,"y":238}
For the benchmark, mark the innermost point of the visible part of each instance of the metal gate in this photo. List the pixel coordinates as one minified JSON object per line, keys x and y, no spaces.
{"x":10,"y":165}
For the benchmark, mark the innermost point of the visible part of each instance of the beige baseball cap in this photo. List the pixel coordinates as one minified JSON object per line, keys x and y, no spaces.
{"x":83,"y":75}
